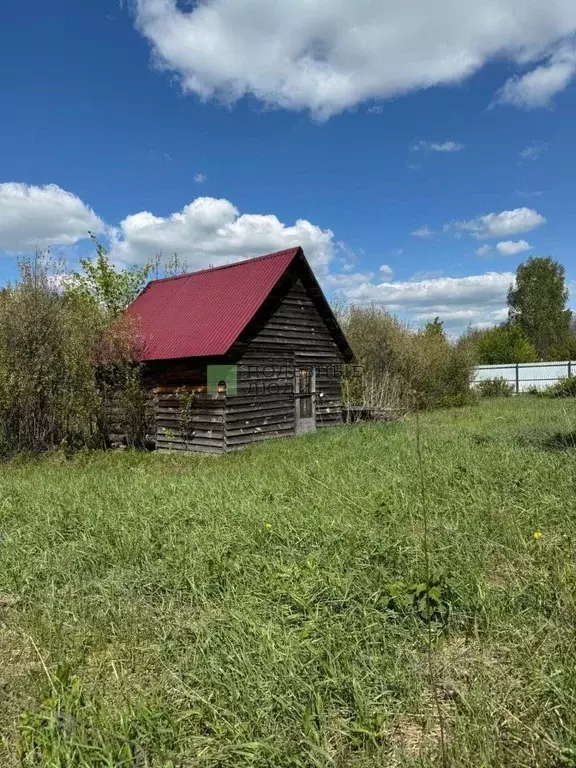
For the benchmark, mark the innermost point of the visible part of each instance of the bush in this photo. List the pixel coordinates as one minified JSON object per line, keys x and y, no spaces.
{"x":563,"y":388}
{"x":402,"y":368}
{"x":499,"y":345}
{"x":461,"y":400}
{"x":62,"y":361}
{"x":498,"y":387}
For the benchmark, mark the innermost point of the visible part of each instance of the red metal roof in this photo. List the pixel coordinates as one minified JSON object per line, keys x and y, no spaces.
{"x":202,"y":313}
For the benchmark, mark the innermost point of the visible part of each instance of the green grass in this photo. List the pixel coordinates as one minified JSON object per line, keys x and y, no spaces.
{"x":264,"y":608}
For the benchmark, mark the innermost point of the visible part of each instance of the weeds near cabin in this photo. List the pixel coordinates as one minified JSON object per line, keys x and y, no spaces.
{"x":270,"y":608}
{"x":186,"y":402}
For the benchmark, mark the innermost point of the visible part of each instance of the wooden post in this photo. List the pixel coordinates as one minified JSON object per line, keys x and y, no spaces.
{"x":517,"y":379}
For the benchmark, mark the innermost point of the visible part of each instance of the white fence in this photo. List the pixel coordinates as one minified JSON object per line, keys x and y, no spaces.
{"x":525,"y":376}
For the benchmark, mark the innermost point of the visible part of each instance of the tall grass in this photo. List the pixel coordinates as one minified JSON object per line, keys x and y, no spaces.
{"x":268,"y":609}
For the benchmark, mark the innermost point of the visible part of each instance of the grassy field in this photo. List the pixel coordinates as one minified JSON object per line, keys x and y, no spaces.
{"x":269,"y":608}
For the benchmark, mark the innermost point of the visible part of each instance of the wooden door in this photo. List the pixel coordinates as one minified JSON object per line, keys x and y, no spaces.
{"x":305,"y":399}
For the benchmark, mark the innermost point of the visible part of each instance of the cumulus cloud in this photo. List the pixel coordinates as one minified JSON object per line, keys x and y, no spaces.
{"x":512,"y":248}
{"x":538,"y":87}
{"x":433,"y":146}
{"x":423,"y":232}
{"x":504,"y":248}
{"x":213,"y":231}
{"x":458,"y":301}
{"x":332,"y":55}
{"x":501,"y":224}
{"x":342,"y":282}
{"x":386,"y":270}
{"x":40,"y":217}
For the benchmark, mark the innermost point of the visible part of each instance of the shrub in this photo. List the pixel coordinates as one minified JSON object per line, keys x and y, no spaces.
{"x":563,"y":388}
{"x":402,"y":368}
{"x":62,"y":361}
{"x":460,"y":400}
{"x":498,"y":387}
{"x":500,"y":345}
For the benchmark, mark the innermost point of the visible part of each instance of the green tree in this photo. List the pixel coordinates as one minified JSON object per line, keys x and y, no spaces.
{"x":112,"y":289}
{"x":537,"y":304}
{"x":504,"y":344}
{"x":435,"y":329}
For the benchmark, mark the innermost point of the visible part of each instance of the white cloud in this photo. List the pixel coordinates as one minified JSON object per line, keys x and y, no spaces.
{"x":40,"y":217}
{"x":459,"y":301}
{"x":423,"y":232}
{"x":538,"y":87}
{"x":344,"y":281}
{"x":504,"y":248}
{"x":533,"y":151}
{"x":511,"y":248}
{"x":433,"y":146}
{"x":386,"y":270}
{"x":212,"y":231}
{"x":331,"y":55}
{"x":502,"y":224}
{"x":200,"y":178}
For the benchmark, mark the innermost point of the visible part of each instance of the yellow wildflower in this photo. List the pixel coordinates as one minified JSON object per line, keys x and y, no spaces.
{"x":537,"y":535}
{"x":268,"y":526}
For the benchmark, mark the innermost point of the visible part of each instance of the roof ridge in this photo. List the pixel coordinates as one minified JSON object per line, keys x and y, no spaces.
{"x":225,"y":266}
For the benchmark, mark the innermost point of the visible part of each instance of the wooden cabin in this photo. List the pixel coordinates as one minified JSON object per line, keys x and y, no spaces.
{"x":240,"y":353}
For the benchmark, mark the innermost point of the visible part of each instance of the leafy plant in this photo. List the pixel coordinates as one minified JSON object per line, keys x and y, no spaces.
{"x":186,"y":401}
{"x":431,"y":600}
{"x":503,"y":344}
{"x":564,"y":388}
{"x":497,"y":387}
{"x":100,"y":281}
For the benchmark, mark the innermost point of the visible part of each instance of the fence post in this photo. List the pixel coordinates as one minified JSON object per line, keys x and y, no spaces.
{"x":517,"y":379}
{"x":569,"y":369}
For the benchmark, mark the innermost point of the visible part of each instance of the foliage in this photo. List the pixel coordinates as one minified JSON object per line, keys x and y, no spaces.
{"x":460,"y":400}
{"x":415,"y":368}
{"x":503,"y":344}
{"x":263,"y":609}
{"x":497,"y":387}
{"x":564,"y":388}
{"x":47,"y":392}
{"x":65,"y":360}
{"x":110,"y":288}
{"x":186,"y":402}
{"x":537,"y":303}
{"x":435,"y":329}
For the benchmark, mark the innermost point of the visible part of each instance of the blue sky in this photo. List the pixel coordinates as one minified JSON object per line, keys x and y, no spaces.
{"x":417,"y":151}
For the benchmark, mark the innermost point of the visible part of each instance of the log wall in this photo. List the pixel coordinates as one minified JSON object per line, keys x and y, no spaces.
{"x":292,"y":335}
{"x":189,"y":425}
